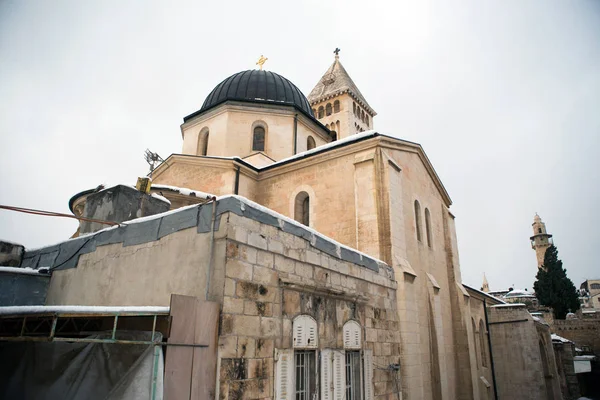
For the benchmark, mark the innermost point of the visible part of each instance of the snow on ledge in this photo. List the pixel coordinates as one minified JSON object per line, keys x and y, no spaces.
{"x":516,"y":305}
{"x":182,"y":191}
{"x":22,"y":271}
{"x":121,"y":310}
{"x":561,"y":339}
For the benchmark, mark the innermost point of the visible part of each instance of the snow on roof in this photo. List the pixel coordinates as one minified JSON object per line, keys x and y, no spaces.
{"x":349,"y":139}
{"x":154,"y":216}
{"x":484,"y":293}
{"x":23,"y":271}
{"x":121,"y":310}
{"x":183,"y":191}
{"x":518,"y":293}
{"x":510,"y":305}
{"x":159,"y":197}
{"x":561,"y":339}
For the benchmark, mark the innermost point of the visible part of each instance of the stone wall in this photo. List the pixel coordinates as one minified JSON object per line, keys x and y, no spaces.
{"x":523,"y":357}
{"x":582,"y":332}
{"x":569,"y":386}
{"x":264,"y":271}
{"x":271,"y":277}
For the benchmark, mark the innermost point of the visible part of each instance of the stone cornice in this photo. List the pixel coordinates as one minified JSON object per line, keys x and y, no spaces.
{"x":258,"y":109}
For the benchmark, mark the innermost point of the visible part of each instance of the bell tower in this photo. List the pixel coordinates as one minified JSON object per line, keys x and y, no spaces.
{"x":485,"y":286}
{"x":338,"y":104}
{"x":540,"y":240}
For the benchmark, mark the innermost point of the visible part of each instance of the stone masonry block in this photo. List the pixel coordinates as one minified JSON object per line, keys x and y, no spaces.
{"x":246,"y":325}
{"x":228,"y":346}
{"x":232,"y":305}
{"x":304,"y":270}
{"x":265,"y":259}
{"x":284,"y":264}
{"x":229,"y":287}
{"x":264,"y":348}
{"x":313,"y":257}
{"x":238,"y":270}
{"x":237,"y":233}
{"x":265,"y":275}
{"x":275,"y":246}
{"x":270,"y":327}
{"x":257,"y":240}
{"x":246,"y":346}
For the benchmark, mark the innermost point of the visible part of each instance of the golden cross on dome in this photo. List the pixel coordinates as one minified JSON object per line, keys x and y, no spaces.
{"x":261,"y":61}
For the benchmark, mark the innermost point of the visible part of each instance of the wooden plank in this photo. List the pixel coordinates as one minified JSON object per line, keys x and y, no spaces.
{"x":204,"y":366}
{"x":179,"y":360}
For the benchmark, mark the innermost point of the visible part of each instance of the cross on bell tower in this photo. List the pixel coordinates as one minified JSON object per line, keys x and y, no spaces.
{"x":541,"y":239}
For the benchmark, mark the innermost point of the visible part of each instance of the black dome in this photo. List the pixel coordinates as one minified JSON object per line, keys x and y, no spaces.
{"x":258,"y":87}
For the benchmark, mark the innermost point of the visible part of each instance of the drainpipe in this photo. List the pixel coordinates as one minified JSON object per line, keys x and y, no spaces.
{"x":295,"y":133}
{"x":237,"y":180}
{"x":211,"y":247}
{"x":487,"y":328}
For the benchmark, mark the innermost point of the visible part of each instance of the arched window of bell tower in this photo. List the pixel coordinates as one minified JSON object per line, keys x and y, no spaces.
{"x":336,"y":106}
{"x":202,"y":147}
{"x":321,"y":112}
{"x":328,"y":109}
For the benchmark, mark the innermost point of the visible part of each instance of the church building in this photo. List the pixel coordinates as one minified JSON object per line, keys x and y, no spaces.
{"x":328,"y":247}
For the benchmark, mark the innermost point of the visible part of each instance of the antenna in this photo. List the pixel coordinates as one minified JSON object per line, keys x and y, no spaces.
{"x":152,"y":159}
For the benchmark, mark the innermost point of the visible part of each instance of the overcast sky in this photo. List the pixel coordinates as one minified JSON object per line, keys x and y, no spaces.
{"x":504,"y":96}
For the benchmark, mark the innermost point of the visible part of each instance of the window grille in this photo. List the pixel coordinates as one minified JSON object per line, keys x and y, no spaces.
{"x":305,"y":374}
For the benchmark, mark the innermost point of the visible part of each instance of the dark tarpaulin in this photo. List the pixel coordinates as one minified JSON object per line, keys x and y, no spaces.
{"x":63,"y":370}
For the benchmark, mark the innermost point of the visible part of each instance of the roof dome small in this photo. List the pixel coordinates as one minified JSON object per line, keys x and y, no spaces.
{"x":256,"y":86}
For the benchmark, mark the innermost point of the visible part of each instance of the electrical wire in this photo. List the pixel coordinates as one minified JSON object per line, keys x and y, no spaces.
{"x":54,"y":214}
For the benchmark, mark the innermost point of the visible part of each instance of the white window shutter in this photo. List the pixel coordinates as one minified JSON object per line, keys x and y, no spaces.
{"x":284,"y":375}
{"x":352,"y":335}
{"x":339,"y":375}
{"x":326,"y":374}
{"x":368,"y":368}
{"x":305,"y":332}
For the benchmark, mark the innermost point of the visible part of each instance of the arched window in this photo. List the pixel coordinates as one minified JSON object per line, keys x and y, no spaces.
{"x":314,"y":111}
{"x":258,"y":139}
{"x":352,"y":335}
{"x":337,"y":126}
{"x":310,"y":143}
{"x":367,"y":119}
{"x":539,"y":230}
{"x":475,"y":338}
{"x":302,"y":208}
{"x":428,"y":226}
{"x":305,"y":330}
{"x":328,"y":109}
{"x":418,"y":219}
{"x":321,"y":112}
{"x":482,"y":343}
{"x":354,"y":108}
{"x":362,"y":115}
{"x":336,"y":106}
{"x":202,"y":142}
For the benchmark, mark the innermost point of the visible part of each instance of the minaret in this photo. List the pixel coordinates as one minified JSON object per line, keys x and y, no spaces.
{"x":485,"y":287}
{"x":338,"y":104}
{"x":540,"y":240}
